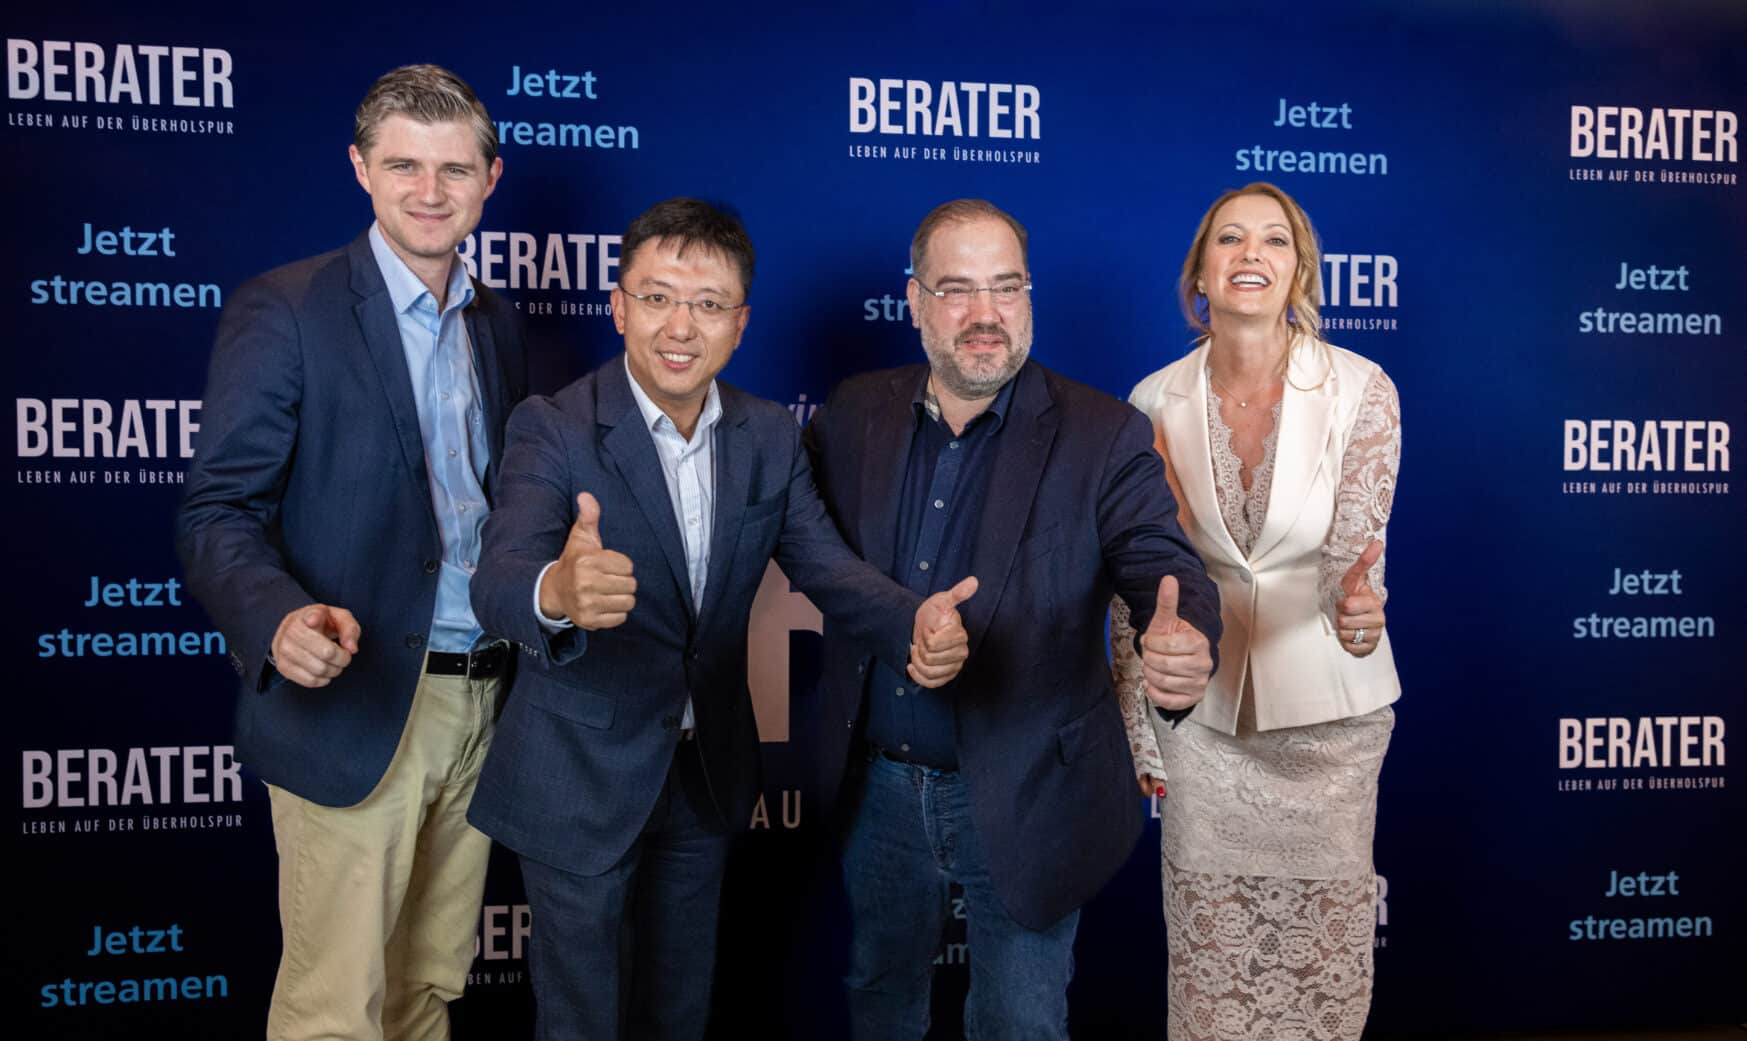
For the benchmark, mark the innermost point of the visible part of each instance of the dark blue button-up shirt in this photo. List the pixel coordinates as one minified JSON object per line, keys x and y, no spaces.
{"x":945,"y":482}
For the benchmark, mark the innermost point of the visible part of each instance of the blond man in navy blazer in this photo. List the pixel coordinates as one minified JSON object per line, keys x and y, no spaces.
{"x":346,"y":457}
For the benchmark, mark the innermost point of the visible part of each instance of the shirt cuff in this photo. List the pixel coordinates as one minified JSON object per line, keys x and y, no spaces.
{"x":551,"y":625}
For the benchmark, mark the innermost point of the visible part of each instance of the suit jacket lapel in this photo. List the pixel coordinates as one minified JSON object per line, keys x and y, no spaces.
{"x":732,"y":451}
{"x":1027,"y":433}
{"x":629,"y":446}
{"x":482,"y":335}
{"x":1184,"y":418}
{"x":376,"y":321}
{"x":889,"y":422}
{"x":1306,"y":423}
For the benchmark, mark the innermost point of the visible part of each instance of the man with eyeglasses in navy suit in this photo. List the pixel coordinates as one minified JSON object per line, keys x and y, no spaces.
{"x":640,"y":508}
{"x":1013,"y":780}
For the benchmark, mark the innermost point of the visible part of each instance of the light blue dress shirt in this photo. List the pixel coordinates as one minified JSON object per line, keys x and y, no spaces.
{"x":439,"y":359}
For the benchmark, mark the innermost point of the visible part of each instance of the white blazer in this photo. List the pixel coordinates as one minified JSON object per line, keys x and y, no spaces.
{"x":1276,"y":628}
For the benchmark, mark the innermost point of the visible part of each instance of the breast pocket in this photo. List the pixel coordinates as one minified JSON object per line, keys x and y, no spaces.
{"x":1033,"y":596}
{"x":1040,"y":543}
{"x":760,"y":525}
{"x":761,"y":512}
{"x":1037,"y":570}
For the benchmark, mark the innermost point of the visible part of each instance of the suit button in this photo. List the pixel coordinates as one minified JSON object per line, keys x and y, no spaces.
{"x":860,"y":667}
{"x":430,"y":567}
{"x":1245,"y":575}
{"x":670,"y":722}
{"x":414,"y":641}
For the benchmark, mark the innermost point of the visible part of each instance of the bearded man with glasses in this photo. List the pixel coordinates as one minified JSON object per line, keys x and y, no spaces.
{"x":1014,"y":779}
{"x":638,"y":509}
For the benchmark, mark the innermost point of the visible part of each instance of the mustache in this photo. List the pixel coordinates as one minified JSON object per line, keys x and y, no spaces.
{"x":983,"y":329}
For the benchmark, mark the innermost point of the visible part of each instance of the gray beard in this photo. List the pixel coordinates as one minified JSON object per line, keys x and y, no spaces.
{"x":974,"y":388}
{"x":969,"y":387}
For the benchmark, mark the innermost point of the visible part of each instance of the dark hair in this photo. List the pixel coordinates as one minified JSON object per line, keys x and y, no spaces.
{"x":425,"y":94}
{"x":962,"y":211}
{"x":685,"y":223}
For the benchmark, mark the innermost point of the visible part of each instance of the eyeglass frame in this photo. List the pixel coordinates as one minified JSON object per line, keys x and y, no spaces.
{"x":718,"y":311}
{"x":961,"y":296}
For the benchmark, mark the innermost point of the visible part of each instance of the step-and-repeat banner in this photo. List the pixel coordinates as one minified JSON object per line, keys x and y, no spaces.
{"x":1532,"y":216}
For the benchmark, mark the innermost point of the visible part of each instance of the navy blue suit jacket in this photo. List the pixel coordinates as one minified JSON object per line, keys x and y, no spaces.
{"x":309,"y":486}
{"x":585,"y":742}
{"x":1077,"y":509}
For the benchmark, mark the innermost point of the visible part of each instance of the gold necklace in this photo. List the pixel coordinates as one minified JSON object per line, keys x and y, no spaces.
{"x":1217,"y":382}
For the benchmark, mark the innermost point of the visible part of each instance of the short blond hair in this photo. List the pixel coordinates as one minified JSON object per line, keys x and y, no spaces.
{"x":424,"y":94}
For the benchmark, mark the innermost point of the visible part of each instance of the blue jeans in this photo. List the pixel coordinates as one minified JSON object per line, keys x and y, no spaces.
{"x":909,"y":836}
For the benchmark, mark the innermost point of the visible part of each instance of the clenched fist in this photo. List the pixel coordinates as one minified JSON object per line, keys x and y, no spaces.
{"x":314,"y":644}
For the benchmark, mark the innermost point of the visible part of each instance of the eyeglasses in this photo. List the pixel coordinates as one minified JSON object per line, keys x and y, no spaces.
{"x":958,"y":298}
{"x":704,"y":310}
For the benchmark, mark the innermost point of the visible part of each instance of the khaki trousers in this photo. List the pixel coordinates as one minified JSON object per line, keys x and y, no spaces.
{"x":379,"y":902}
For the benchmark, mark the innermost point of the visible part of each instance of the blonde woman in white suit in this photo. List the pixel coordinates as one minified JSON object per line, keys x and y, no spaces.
{"x":1282,"y":452}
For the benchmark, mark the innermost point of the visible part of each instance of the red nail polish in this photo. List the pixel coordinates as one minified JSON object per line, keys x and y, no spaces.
{"x":1160,"y":792}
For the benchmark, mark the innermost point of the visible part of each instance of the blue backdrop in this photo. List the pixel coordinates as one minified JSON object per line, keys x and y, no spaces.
{"x":1531,"y":215}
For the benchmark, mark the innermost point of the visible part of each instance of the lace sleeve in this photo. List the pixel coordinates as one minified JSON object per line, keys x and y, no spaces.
{"x":1130,"y":684}
{"x":1367,"y":488}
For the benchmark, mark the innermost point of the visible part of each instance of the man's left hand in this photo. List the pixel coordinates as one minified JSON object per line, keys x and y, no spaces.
{"x":1174,"y":655}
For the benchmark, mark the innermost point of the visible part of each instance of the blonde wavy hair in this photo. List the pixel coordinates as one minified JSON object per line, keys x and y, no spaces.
{"x":1303,"y":317}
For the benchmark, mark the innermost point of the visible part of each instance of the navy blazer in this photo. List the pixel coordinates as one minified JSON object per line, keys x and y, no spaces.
{"x":585,"y":742}
{"x":309,"y":486}
{"x":1077,"y":509}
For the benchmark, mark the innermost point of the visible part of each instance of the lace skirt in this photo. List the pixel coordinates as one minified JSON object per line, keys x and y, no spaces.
{"x":1270,"y":894}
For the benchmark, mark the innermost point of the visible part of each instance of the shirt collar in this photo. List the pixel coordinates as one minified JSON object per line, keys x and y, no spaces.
{"x":997,"y":408}
{"x":404,"y":287}
{"x":653,"y":417}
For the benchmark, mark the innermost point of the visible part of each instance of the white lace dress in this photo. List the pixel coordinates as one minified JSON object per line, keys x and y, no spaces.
{"x":1270,"y":893}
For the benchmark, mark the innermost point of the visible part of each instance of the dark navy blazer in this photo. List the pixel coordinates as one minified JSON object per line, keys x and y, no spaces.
{"x":309,"y":486}
{"x":591,"y":726}
{"x":1077,"y":509}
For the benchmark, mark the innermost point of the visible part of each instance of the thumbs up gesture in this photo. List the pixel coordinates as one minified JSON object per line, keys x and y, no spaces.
{"x":1359,"y":614}
{"x":1174,"y":655}
{"x":588,"y":584}
{"x":939,"y":644}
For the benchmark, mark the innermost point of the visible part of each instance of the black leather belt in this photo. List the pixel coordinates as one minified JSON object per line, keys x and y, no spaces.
{"x":481,"y":664}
